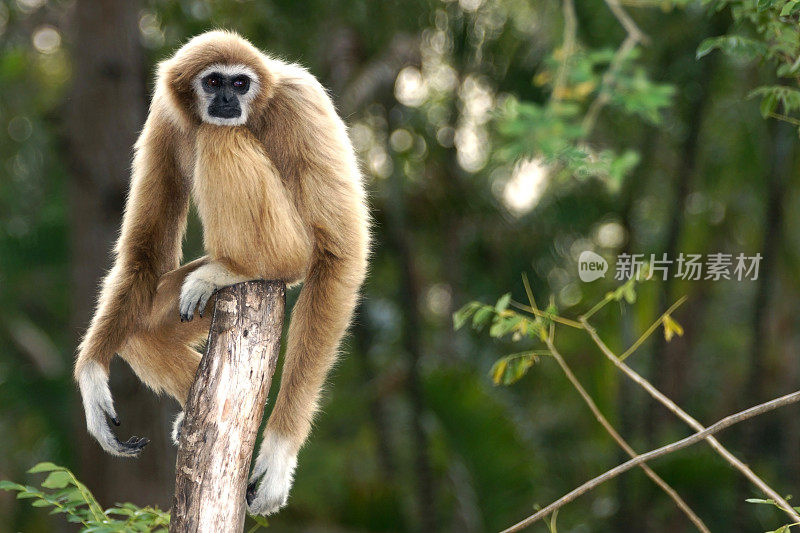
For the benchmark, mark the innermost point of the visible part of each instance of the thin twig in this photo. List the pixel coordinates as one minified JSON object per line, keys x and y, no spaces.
{"x":683,"y":415}
{"x":626,"y":21}
{"x":635,"y":36}
{"x":652,"y":328}
{"x":542,"y":314}
{"x":599,"y":305}
{"x":567,"y":48}
{"x":617,"y":437}
{"x":659,"y":452}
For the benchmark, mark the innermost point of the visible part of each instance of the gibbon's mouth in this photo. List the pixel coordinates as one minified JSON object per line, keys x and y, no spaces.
{"x":224,"y":111}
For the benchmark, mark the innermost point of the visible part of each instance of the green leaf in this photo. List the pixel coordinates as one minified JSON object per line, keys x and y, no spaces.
{"x":41,"y":503}
{"x":461,"y":316}
{"x":790,"y":8}
{"x":10,"y":485}
{"x":671,"y":328}
{"x":502,"y":302}
{"x":764,"y":5}
{"x":504,"y":325}
{"x":56,"y":480}
{"x":773,"y":95}
{"x":482,"y":316}
{"x":44,"y":467}
{"x":511,"y":368}
{"x":734,"y":45}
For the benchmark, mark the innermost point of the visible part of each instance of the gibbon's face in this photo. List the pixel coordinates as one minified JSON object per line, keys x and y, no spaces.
{"x":224,"y":94}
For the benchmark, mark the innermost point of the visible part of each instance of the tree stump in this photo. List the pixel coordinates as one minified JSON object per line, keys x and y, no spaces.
{"x":225,"y":407}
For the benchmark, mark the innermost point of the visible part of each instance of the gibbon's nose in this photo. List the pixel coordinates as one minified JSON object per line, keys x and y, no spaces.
{"x":227,"y":96}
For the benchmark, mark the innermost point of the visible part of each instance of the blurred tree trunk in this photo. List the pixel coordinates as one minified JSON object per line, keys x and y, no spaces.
{"x":671,"y":363}
{"x":762,"y":369}
{"x":105,"y":111}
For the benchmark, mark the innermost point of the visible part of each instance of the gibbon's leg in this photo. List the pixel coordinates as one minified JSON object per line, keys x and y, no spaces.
{"x":159,"y":353}
{"x":162,"y":355}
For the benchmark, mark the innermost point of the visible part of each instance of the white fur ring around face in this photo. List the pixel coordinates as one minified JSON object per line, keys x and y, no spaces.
{"x":272,"y":477}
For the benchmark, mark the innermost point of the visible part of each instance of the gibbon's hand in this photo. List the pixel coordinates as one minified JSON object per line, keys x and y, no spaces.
{"x":195,"y":293}
{"x":99,"y":408}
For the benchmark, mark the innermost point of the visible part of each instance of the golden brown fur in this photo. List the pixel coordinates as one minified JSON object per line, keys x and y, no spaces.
{"x":280,"y":197}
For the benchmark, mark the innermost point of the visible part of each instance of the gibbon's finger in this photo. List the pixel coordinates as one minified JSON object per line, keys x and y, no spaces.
{"x":109,"y":442}
{"x":188,"y":305}
{"x":204,"y":298}
{"x":185,"y":309}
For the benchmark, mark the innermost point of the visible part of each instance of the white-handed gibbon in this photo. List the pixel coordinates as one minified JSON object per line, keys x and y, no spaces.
{"x":259,"y":147}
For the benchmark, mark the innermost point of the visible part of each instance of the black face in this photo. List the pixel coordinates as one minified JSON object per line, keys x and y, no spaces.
{"x":226,"y":91}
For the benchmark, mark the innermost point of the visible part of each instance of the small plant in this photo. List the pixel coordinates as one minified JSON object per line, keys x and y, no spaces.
{"x":62,"y":491}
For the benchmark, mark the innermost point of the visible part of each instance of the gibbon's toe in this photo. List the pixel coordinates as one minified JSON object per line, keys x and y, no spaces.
{"x":133,"y":446}
{"x":250,"y":495}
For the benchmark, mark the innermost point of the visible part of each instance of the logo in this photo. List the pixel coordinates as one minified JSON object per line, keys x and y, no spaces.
{"x":591,"y":266}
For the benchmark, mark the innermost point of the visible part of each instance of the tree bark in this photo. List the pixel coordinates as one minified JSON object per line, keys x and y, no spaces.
{"x":103,"y":113}
{"x":225,"y":406}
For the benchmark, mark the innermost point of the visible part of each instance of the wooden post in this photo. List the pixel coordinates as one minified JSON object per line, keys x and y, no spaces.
{"x":225,"y":406}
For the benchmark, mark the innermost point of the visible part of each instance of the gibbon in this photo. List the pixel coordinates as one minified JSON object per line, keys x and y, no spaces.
{"x":259,"y":147}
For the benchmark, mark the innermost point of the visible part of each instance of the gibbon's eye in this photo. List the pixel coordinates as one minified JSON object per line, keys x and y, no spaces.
{"x":212,"y":81}
{"x":241,"y":84}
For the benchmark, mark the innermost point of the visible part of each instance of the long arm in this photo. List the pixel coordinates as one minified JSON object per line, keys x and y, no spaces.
{"x":332,"y":202}
{"x":148,"y":246}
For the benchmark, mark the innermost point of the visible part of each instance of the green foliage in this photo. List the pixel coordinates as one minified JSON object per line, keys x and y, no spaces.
{"x":581,"y":81}
{"x":775,"y":39}
{"x":773,"y":96}
{"x":66,"y":495}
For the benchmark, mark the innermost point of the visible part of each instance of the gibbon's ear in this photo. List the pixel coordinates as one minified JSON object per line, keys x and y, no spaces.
{"x":177,"y":74}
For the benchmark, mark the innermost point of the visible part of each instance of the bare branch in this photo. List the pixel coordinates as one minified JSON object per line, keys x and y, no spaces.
{"x":618,"y":438}
{"x":705,"y":434}
{"x":694,"y":424}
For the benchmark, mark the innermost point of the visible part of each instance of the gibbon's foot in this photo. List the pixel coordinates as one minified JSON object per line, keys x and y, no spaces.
{"x":177,"y":425}
{"x":99,"y":407}
{"x":274,"y":468}
{"x":195,"y":293}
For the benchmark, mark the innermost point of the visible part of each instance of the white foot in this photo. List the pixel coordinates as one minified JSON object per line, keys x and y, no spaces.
{"x":275,"y":468}
{"x":177,"y":424}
